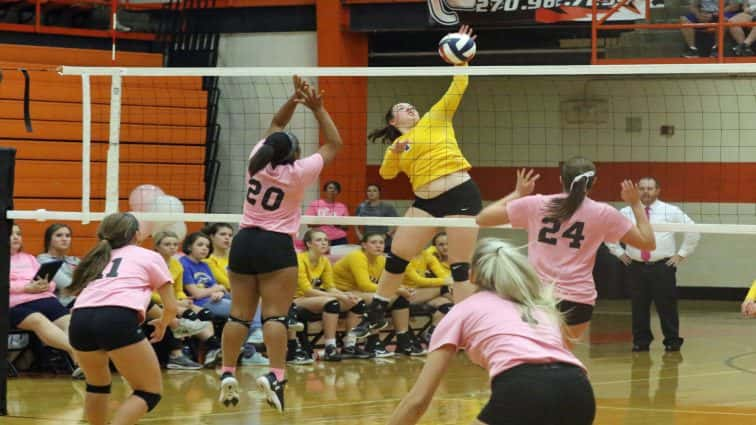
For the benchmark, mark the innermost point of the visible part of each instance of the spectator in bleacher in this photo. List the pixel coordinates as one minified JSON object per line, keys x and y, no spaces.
{"x":329,"y":207}
{"x":358,"y":272}
{"x":221,"y":235}
{"x":703,"y":11}
{"x":374,"y":207}
{"x":429,"y":289}
{"x":316,"y":294}
{"x":57,"y":245}
{"x":744,"y":43}
{"x":32,"y":303}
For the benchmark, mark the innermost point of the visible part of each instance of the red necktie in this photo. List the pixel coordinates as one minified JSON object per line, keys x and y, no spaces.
{"x":646,"y":255}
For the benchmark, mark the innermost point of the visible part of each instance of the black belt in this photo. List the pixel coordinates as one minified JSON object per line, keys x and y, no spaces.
{"x":651,"y":263}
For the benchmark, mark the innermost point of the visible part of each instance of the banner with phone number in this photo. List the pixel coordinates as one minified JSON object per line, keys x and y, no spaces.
{"x":447,"y":12}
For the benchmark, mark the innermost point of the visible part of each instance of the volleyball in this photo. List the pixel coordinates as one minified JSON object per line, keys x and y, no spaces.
{"x":456,"y":48}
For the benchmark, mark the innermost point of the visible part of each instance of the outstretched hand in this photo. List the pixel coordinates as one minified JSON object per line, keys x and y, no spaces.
{"x":630,"y":193}
{"x":526,"y":181}
{"x":309,"y":97}
{"x":467,"y":30}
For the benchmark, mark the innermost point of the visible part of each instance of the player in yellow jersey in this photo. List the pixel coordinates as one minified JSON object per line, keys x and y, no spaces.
{"x":426,"y":150}
{"x":317,"y":294}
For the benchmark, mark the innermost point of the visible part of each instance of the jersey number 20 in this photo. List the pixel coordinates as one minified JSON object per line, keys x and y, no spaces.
{"x":271,"y":199}
{"x":574,"y":232}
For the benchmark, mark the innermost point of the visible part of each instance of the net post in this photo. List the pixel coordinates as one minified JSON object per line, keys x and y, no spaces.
{"x":111,"y":184}
{"x":7,"y":163}
{"x":86,"y":147}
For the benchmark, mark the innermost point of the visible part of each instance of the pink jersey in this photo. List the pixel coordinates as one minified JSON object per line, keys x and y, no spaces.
{"x":491,"y":331}
{"x":323,"y":208}
{"x":23,"y":267}
{"x":129,"y":279}
{"x":274,"y":195}
{"x":564,"y":253}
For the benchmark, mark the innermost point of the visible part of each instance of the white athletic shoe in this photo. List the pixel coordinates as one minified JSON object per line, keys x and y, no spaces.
{"x":229,"y":394}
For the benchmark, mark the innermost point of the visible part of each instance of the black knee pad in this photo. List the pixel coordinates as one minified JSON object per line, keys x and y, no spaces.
{"x":305,"y":315}
{"x":205,"y":315}
{"x":284,"y":320}
{"x":151,"y":399}
{"x":188,"y":314}
{"x":400,"y":303}
{"x":358,"y":308}
{"x":332,"y":306}
{"x":245,"y":323}
{"x":98,"y":389}
{"x":460,"y":272}
{"x":445,"y":308}
{"x":395,"y":264}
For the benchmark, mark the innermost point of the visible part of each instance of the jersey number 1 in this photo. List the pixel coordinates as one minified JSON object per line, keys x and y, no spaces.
{"x":574,"y":232}
{"x":113,"y":269}
{"x":271,"y":199}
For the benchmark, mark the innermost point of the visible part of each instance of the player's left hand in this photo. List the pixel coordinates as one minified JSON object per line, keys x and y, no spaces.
{"x":159,"y":332}
{"x":526,"y":181}
{"x":468,"y":31}
{"x":675,"y":260}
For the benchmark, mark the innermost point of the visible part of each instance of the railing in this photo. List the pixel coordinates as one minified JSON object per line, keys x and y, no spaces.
{"x":599,"y":19}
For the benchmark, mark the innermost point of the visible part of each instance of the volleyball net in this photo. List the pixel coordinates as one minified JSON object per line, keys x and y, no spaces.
{"x":172,"y":144}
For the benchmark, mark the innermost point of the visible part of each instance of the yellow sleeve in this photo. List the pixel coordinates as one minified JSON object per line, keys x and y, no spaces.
{"x":218,"y":268}
{"x":445,"y":108}
{"x":155,"y":298}
{"x":177,"y":272}
{"x":434,"y":265}
{"x":752,"y":292}
{"x":390,"y":165}
{"x":358,"y":265}
{"x":303,"y":280}
{"x":415,"y":275}
{"x":327,"y":281}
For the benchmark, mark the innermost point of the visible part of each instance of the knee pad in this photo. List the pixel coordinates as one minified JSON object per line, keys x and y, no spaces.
{"x":395,"y":264}
{"x":358,"y":308}
{"x":400,"y":303}
{"x":205,"y":315}
{"x":284,"y":320}
{"x":188,"y":314}
{"x":151,"y":399}
{"x":98,"y":389}
{"x":445,"y":308}
{"x":460,"y":272}
{"x":332,"y":306}
{"x":304,"y":315}
{"x":245,"y":323}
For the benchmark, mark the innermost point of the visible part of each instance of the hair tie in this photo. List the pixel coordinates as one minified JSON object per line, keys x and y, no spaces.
{"x":587,"y":175}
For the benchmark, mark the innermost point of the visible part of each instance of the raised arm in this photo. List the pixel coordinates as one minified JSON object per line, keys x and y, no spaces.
{"x":284,"y":114}
{"x":641,"y":235}
{"x":313,"y":99}
{"x":496,"y":213}
{"x":445,"y":108}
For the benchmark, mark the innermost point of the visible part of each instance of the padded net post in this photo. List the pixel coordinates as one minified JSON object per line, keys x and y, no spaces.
{"x":7,"y":163}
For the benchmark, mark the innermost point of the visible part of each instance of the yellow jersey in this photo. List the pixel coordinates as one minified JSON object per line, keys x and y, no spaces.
{"x":177,"y":274}
{"x":751,"y":296}
{"x":437,"y":267}
{"x":355,"y":272}
{"x":416,"y":277}
{"x":319,"y":276}
{"x":219,"y":268}
{"x":433,"y":151}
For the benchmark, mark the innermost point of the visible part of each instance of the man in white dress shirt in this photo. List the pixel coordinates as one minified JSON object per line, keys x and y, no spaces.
{"x":652,"y":275}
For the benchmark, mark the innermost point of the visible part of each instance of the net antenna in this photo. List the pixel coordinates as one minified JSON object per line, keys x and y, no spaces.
{"x":117,"y":74}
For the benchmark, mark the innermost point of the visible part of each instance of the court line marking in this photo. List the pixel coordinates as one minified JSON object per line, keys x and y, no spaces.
{"x":693,"y":375}
{"x":695,"y":412}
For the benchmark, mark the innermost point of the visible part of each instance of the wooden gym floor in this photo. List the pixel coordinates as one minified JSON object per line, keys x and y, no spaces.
{"x":710,"y":382}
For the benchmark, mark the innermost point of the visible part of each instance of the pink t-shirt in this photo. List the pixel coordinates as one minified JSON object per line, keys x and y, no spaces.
{"x":23,"y":267}
{"x":323,"y":208}
{"x":129,"y":279}
{"x":564,"y":253}
{"x":494,"y":336}
{"x":274,"y":195}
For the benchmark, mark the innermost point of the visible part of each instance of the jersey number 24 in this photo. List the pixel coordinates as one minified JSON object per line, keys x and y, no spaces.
{"x":574,"y":232}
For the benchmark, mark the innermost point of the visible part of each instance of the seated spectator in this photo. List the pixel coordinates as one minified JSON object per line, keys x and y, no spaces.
{"x":703,"y":11}
{"x":439,"y":249}
{"x":32,"y":303}
{"x":329,"y":207}
{"x":358,"y":272}
{"x":738,"y":33}
{"x":198,"y":279}
{"x":429,"y":289}
{"x":221,"y":235}
{"x":374,"y":207}
{"x":316,"y":294}
{"x":57,"y":245}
